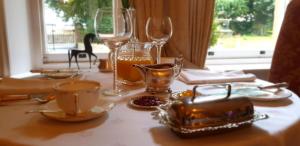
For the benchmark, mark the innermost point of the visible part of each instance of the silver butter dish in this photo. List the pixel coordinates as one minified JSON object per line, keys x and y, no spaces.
{"x":189,"y":114}
{"x":163,"y":118}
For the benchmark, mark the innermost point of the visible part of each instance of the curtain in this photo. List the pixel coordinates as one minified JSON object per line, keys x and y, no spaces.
{"x":4,"y":66}
{"x":285,"y":63}
{"x":192,"y":20}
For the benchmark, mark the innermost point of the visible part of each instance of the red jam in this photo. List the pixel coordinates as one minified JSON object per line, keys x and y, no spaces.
{"x":148,"y":101}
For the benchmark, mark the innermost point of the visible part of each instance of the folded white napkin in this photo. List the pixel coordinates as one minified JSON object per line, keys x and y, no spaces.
{"x":4,"y":98}
{"x":197,"y":76}
{"x":11,"y":86}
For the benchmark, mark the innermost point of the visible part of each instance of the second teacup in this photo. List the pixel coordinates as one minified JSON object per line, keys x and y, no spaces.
{"x":77,"y":96}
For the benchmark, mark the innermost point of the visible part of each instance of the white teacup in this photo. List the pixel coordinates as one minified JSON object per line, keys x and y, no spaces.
{"x":77,"y":96}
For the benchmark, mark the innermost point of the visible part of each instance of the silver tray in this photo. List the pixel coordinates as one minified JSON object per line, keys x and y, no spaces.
{"x":162,"y":116}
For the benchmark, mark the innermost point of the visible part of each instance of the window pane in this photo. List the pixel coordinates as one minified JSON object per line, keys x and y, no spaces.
{"x":243,"y":25}
{"x":67,"y":21}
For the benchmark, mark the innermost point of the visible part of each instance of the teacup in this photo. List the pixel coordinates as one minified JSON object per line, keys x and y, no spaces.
{"x":77,"y":96}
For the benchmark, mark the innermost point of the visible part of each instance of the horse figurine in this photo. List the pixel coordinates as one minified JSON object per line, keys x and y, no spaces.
{"x":88,"y":38}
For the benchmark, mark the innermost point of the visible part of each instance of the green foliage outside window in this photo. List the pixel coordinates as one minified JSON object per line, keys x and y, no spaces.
{"x":82,"y":13}
{"x":250,"y":17}
{"x":214,"y":36}
{"x":247,"y":17}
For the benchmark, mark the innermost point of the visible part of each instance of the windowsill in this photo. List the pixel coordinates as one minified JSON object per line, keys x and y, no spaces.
{"x":84,"y":66}
{"x":215,"y":64}
{"x":63,"y":57}
{"x":247,"y":65}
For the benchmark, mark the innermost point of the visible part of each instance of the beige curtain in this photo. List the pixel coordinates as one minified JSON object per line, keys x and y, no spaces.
{"x":4,"y":66}
{"x":192,"y":20}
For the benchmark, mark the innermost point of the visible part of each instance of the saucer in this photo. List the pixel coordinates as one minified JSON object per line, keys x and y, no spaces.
{"x":102,"y":107}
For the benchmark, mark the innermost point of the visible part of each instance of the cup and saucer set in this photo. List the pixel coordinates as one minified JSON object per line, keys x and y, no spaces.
{"x":76,"y":101}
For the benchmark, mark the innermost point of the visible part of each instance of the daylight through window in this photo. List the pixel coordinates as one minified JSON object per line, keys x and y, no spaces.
{"x":67,"y":21}
{"x":245,"y":28}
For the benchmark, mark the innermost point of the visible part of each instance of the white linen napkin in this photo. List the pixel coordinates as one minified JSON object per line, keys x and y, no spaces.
{"x":198,"y":76}
{"x":4,"y":98}
{"x":11,"y":86}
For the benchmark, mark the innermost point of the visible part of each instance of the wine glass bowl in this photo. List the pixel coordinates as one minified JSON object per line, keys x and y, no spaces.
{"x":159,"y":31}
{"x":113,"y":27}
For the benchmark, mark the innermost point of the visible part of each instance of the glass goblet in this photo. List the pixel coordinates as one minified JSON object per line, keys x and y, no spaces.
{"x":159,"y":31}
{"x":114,"y":30}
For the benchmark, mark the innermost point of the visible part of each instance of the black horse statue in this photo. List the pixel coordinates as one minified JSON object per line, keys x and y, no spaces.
{"x":88,"y":38}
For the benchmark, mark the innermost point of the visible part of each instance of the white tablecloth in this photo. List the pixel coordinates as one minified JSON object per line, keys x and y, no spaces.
{"x":124,"y":126}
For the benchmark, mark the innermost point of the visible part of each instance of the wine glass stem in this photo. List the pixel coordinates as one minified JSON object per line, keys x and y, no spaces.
{"x":158,"y":54}
{"x":115,"y":69}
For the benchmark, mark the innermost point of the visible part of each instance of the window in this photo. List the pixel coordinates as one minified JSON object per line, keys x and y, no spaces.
{"x":66,"y":22}
{"x":232,"y":39}
{"x":245,"y":31}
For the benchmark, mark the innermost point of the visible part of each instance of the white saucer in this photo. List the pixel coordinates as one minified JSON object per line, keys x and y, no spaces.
{"x":99,"y":110}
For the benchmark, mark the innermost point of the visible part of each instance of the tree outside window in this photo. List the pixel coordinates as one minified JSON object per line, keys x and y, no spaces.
{"x":81,"y":13}
{"x":246,"y":19}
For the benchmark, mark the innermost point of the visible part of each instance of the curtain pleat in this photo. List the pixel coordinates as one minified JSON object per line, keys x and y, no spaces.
{"x":193,"y":28}
{"x":4,"y":64}
{"x":201,"y":18}
{"x":192,"y":20}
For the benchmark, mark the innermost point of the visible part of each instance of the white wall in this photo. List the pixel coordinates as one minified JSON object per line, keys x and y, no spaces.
{"x":18,"y":36}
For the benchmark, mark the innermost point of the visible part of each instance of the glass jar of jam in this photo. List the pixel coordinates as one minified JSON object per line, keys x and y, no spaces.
{"x":129,"y":54}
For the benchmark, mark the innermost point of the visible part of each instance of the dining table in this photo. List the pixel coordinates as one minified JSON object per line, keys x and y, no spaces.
{"x":127,"y":126}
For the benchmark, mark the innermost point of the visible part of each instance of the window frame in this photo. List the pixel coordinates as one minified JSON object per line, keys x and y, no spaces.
{"x":40,"y":58}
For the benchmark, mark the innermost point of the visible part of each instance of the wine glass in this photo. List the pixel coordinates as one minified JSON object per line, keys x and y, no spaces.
{"x":159,"y":31}
{"x":114,"y":29}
